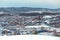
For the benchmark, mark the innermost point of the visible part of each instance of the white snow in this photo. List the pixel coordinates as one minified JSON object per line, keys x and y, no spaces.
{"x":42,"y":25}
{"x":29,"y":37}
{"x":34,"y":12}
{"x":32,"y":26}
{"x":47,"y":21}
{"x":47,"y":16}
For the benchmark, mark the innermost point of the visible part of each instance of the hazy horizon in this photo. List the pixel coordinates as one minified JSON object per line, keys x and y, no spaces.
{"x":53,"y":4}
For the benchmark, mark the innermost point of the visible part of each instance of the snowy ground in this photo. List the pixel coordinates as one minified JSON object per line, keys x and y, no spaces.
{"x":29,"y":37}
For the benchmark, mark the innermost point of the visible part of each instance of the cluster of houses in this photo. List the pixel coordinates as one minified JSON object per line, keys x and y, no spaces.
{"x":23,"y":25}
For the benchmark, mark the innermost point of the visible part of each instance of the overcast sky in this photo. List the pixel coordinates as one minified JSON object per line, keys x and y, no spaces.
{"x":30,"y":3}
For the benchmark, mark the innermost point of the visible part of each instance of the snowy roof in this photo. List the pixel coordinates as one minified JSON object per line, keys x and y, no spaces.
{"x":47,"y":16}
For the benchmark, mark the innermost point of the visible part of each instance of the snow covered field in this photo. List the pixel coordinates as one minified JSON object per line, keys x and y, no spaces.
{"x":29,"y":37}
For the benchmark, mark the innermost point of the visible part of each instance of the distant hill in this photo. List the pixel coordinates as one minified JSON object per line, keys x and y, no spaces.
{"x":24,"y":9}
